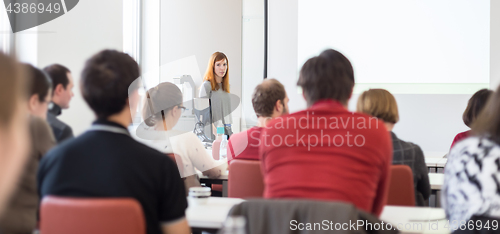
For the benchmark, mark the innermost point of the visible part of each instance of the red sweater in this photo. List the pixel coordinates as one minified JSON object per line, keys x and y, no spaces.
{"x":328,"y":154}
{"x":244,"y":145}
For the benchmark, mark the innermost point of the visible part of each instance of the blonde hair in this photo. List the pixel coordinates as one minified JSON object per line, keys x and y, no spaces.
{"x":379,"y":103}
{"x":210,"y":75}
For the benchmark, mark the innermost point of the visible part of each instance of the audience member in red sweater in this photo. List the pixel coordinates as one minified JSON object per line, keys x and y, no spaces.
{"x":475,"y":105}
{"x":326,"y":152}
{"x":269,"y":101}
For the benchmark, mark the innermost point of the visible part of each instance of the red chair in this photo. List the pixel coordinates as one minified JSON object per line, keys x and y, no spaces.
{"x":401,"y":189}
{"x":61,"y":215}
{"x":245,"y":179}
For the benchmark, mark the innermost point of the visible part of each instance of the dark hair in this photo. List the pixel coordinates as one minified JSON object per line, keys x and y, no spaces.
{"x":337,"y":57}
{"x":475,"y":105}
{"x":58,"y":74}
{"x":487,"y":123}
{"x":266,"y":95}
{"x":13,"y":87}
{"x":40,"y":83}
{"x":161,"y":98}
{"x":327,"y":77}
{"x":105,"y":81}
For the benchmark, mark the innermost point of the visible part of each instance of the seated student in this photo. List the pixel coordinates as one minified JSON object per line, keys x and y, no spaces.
{"x":162,"y":111}
{"x":105,"y":161}
{"x":21,"y":214}
{"x":381,"y":104}
{"x":62,"y":92}
{"x":14,"y":143}
{"x":472,"y":174}
{"x":269,"y":101}
{"x":475,"y":105}
{"x":326,"y":152}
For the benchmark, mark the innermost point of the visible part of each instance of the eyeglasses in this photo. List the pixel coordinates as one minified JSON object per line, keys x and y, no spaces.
{"x":183,"y":108}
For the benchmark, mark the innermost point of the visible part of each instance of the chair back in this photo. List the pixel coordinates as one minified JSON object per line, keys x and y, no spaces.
{"x":62,"y":215}
{"x":245,"y":179}
{"x":401,"y":188}
{"x":288,"y":216}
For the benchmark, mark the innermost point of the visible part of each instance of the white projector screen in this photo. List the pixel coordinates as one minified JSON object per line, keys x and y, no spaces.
{"x":411,"y":46}
{"x":389,"y":35}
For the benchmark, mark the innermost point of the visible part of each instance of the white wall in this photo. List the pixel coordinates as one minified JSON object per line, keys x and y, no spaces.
{"x":89,"y":27}
{"x":494,"y":44}
{"x":428,"y":120}
{"x":252,"y":57}
{"x":199,"y":28}
{"x":282,"y":48}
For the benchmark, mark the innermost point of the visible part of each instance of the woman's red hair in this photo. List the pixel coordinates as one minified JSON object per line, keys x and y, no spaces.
{"x":210,"y":75}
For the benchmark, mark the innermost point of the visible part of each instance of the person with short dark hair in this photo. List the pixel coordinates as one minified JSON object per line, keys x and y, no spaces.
{"x":269,"y":101}
{"x":326,"y":152}
{"x":21,"y":214}
{"x":105,"y":161}
{"x":62,"y":92}
{"x":470,"y":191}
{"x":382,"y":104}
{"x":474,"y":107}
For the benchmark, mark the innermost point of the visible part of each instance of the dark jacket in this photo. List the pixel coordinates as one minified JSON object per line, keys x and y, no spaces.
{"x":61,"y":130}
{"x":407,"y":153}
{"x":20,"y":215}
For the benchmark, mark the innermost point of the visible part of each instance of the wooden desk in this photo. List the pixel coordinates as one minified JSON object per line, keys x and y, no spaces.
{"x":416,"y":219}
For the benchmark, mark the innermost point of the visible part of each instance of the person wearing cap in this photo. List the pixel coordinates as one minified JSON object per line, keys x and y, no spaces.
{"x":105,"y":161}
{"x":162,"y":110}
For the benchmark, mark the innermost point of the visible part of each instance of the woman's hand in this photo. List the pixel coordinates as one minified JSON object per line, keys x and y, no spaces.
{"x":215,"y":172}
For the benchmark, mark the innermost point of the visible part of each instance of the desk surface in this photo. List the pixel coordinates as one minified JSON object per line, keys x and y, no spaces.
{"x":416,"y":219}
{"x":435,"y":162}
{"x":211,"y":215}
{"x":410,"y":219}
{"x":436,"y":180}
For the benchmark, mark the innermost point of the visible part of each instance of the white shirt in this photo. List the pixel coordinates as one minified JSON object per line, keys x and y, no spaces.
{"x":188,"y":149}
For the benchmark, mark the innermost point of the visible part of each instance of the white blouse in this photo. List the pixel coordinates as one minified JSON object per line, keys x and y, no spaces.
{"x":472,"y":180}
{"x":186,"y":146}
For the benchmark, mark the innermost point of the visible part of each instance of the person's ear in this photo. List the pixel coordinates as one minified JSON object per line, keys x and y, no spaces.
{"x":33,"y":102}
{"x":278,"y":106}
{"x":58,"y":90}
{"x":174,"y":110}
